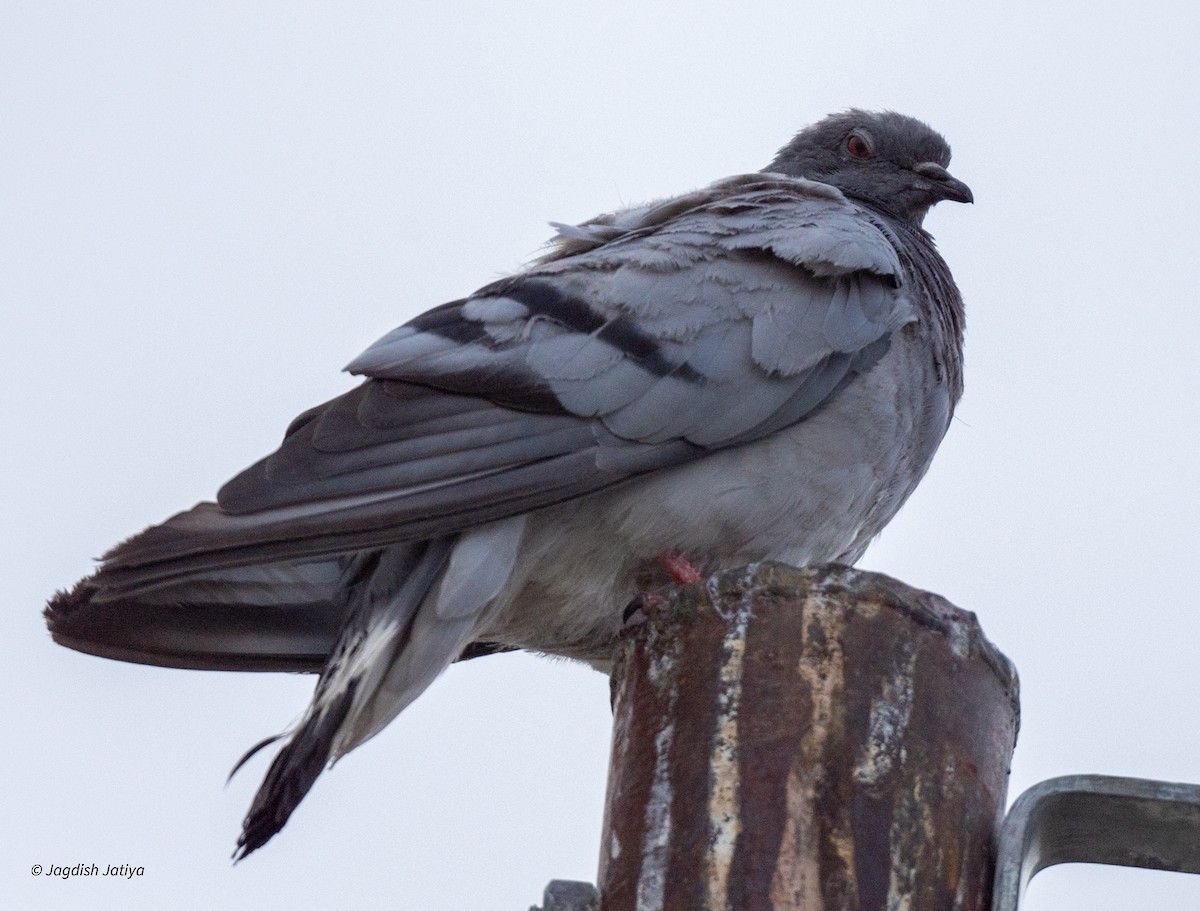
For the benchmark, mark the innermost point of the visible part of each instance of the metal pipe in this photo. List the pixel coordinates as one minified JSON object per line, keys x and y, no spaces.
{"x":809,"y":739}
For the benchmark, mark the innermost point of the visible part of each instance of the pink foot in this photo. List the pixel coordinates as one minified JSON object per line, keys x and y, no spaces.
{"x":679,"y":568}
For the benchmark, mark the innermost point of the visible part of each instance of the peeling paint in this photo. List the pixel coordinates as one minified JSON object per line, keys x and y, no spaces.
{"x":724,"y":806}
{"x":798,"y":867}
{"x":961,"y":636}
{"x":888,"y":724}
{"x":912,"y":836}
{"x":652,"y":881}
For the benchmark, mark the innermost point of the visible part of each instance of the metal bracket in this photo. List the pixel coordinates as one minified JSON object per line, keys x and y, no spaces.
{"x":569,"y":895}
{"x":1096,"y":819}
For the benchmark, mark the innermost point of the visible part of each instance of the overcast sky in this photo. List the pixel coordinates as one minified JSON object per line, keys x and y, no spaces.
{"x":207,"y":209}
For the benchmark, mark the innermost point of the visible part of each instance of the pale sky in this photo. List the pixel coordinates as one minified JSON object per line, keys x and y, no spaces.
{"x":207,"y":209}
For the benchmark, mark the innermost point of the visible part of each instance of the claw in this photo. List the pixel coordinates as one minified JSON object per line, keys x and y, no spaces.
{"x":636,"y":610}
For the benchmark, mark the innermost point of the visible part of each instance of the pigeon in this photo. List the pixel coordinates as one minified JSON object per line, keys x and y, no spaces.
{"x":759,"y":369}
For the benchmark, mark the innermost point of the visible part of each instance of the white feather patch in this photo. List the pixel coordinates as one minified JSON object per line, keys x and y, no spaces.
{"x":494,"y":310}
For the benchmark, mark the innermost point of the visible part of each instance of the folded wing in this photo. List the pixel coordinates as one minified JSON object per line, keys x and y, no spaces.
{"x":642,"y":341}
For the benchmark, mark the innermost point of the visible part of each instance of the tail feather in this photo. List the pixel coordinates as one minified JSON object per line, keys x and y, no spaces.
{"x":379,"y":624}
{"x":386,"y":589}
{"x":293,"y":773}
{"x":413,"y":610}
{"x":274,"y":617}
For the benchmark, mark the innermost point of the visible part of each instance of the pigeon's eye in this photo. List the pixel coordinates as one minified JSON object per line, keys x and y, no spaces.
{"x":857,"y":146}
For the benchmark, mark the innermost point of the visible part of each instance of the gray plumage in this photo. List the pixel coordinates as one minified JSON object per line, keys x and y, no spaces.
{"x":759,"y":369}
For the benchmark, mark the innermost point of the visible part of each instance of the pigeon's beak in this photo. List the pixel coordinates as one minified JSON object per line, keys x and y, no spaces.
{"x":942,"y":184}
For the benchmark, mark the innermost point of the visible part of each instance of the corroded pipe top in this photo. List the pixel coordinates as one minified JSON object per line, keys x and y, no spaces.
{"x":802,"y":739}
{"x":856,"y":589}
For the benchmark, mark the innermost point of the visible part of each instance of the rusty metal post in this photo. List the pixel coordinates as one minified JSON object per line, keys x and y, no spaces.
{"x":806,"y":739}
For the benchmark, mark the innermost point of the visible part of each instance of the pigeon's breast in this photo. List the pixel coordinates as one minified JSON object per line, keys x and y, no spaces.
{"x":819,"y":490}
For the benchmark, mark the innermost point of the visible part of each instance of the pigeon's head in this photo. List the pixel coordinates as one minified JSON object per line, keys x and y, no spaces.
{"x":888,"y":160}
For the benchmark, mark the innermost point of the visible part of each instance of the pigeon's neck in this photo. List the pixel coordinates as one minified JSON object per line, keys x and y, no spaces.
{"x":876,"y":204}
{"x":937,"y":296}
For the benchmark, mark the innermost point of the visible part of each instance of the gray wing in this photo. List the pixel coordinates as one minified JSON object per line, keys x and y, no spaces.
{"x":643,"y":341}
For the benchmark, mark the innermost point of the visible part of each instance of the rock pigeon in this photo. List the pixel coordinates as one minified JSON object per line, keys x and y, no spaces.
{"x":760,"y":369}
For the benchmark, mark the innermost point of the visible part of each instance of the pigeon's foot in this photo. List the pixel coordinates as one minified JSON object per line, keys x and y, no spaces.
{"x":679,"y":569}
{"x":637,"y":611}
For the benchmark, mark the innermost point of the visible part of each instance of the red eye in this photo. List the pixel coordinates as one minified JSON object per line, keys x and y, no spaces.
{"x":857,"y":146}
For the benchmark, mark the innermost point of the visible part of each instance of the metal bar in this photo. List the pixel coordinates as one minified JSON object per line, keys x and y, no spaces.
{"x":1097,"y":819}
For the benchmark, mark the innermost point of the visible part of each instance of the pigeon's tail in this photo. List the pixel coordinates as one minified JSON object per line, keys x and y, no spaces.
{"x":216,"y":590}
{"x":283,"y":616}
{"x":400,"y":635}
{"x":213,"y":590}
{"x":378,"y":622}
